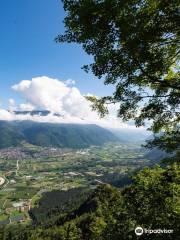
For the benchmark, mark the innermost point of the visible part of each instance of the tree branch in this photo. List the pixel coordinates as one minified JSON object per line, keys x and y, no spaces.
{"x":156,"y":80}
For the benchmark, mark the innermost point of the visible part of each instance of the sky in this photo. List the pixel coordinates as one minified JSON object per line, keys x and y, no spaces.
{"x":38,"y":73}
{"x":28,"y":49}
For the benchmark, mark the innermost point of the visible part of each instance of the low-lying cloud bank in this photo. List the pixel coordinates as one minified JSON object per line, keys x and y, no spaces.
{"x":62,"y":99}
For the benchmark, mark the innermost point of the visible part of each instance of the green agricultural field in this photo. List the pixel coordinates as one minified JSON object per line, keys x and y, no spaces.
{"x":44,"y":170}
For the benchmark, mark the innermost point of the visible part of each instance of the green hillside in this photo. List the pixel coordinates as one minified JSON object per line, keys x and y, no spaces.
{"x":53,"y":135}
{"x":10,"y":136}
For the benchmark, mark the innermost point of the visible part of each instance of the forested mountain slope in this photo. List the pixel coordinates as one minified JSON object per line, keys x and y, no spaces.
{"x":53,"y":135}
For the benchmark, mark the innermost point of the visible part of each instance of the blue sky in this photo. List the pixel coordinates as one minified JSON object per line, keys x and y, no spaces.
{"x":27,"y":48}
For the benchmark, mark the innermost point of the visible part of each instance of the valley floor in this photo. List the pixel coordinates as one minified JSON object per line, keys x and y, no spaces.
{"x":29,"y":172}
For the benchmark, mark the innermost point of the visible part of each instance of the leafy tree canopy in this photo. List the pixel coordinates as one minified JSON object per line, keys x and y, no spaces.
{"x":135,"y":45}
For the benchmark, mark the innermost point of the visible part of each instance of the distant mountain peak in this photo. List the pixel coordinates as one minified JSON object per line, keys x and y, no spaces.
{"x":37,"y":113}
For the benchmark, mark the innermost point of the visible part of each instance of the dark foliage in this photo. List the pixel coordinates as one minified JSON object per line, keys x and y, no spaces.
{"x":135,"y":45}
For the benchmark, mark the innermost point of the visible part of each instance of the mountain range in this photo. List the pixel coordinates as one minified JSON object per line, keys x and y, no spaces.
{"x":14,"y":133}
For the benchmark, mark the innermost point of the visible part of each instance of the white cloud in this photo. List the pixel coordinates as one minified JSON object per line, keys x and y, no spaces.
{"x":12,"y":104}
{"x":11,"y":101}
{"x":70,"y":82}
{"x":22,"y":86}
{"x":26,"y":107}
{"x":58,"y":97}
{"x":53,"y":95}
{"x":5,"y":115}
